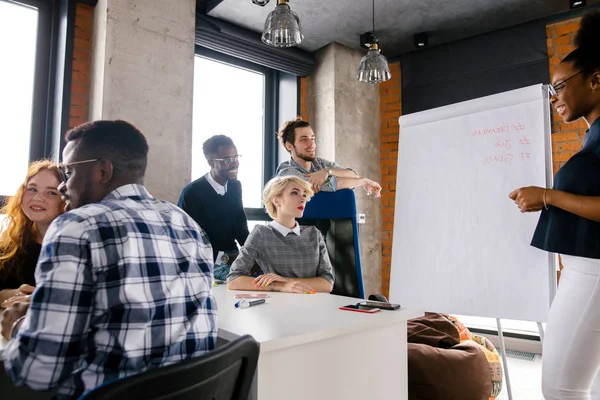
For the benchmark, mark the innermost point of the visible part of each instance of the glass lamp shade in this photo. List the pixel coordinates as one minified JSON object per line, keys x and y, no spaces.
{"x":373,"y":67}
{"x":282,"y":27}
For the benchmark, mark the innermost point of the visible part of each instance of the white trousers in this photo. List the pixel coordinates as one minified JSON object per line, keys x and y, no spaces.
{"x":571,"y":349}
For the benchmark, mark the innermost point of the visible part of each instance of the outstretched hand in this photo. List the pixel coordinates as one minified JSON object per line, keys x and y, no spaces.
{"x":528,"y":199}
{"x":372,"y":187}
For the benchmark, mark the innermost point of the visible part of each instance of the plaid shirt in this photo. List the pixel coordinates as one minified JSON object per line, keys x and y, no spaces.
{"x":122,"y":286}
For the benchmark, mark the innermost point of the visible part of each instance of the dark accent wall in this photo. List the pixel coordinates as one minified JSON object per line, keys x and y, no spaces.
{"x":479,"y":66}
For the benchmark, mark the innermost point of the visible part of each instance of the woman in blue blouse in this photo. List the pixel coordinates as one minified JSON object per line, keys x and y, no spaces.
{"x":570,"y":225}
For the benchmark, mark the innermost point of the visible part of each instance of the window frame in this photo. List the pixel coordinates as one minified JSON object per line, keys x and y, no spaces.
{"x":52,"y":76}
{"x":271,"y":108}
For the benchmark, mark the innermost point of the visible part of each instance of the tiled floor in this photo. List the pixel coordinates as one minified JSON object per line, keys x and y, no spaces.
{"x":525,"y":379}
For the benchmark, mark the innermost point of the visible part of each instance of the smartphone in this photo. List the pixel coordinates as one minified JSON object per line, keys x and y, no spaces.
{"x":358,"y":308}
{"x":379,"y":304}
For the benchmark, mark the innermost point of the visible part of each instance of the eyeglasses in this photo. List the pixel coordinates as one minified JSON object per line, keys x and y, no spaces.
{"x":64,"y":174}
{"x":229,"y":161}
{"x":554,"y":90}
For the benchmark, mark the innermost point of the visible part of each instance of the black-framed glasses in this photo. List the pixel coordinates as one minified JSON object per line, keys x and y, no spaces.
{"x":554,"y":90}
{"x":229,"y":161}
{"x":64,"y":174}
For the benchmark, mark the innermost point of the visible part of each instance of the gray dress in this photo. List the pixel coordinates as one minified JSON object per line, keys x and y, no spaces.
{"x":291,"y":256}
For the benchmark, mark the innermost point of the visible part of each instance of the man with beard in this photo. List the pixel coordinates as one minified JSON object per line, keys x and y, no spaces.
{"x":214,"y":201}
{"x":299,"y":140}
{"x":123,"y":279}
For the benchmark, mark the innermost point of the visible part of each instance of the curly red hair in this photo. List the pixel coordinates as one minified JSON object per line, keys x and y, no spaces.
{"x":20,"y":229}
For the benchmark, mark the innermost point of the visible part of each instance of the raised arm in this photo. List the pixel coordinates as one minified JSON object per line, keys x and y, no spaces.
{"x":339,"y":172}
{"x":371,"y":187}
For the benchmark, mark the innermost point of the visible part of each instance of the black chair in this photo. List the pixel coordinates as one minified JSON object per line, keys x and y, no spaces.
{"x":225,"y":373}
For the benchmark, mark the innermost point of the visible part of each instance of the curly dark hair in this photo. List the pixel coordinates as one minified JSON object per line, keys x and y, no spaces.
{"x":586,"y":57}
{"x":117,"y":140}
{"x":287,"y":133}
{"x":211,"y":147}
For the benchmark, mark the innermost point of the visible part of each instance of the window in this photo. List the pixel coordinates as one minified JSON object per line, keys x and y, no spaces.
{"x":234,"y":98}
{"x":18,"y":41}
{"x":508,"y":325}
{"x":34,"y":42}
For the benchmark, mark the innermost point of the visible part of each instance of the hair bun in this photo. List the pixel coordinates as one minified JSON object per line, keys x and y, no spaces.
{"x":588,"y":35}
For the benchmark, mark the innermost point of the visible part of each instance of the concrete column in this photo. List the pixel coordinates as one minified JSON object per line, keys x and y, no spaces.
{"x":345,"y":116}
{"x":142,"y":72}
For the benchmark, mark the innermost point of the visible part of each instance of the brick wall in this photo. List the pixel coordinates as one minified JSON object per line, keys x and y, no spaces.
{"x":82,"y":49}
{"x":566,"y":138}
{"x":390,"y":108}
{"x":303,"y":106}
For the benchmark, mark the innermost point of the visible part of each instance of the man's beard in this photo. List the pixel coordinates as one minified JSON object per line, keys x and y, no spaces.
{"x":305,"y":157}
{"x":85,"y":197}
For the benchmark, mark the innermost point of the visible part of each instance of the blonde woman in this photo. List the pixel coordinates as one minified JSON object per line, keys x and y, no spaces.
{"x":294,"y":258}
{"x":28,"y":215}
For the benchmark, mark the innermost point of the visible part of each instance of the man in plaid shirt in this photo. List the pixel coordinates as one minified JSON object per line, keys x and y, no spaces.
{"x":123,"y":280}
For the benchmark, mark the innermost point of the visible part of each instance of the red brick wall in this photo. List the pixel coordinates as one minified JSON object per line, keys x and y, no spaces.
{"x":566,"y":138}
{"x":303,"y":106}
{"x":390,"y":109}
{"x":82,"y":49}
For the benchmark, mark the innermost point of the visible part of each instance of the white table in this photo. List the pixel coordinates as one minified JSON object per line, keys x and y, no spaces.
{"x":311,"y":349}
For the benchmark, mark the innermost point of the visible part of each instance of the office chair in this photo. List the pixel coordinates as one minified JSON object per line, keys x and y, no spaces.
{"x":225,"y":373}
{"x":334,"y":213}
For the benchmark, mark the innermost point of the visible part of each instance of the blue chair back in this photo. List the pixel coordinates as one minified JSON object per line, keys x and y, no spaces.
{"x":334,"y":213}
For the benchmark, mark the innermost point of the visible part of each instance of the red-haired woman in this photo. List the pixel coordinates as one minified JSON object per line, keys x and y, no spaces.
{"x":28,"y":214}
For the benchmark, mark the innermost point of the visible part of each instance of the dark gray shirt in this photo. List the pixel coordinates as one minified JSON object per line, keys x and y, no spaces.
{"x":291,"y":167}
{"x":290,"y":256}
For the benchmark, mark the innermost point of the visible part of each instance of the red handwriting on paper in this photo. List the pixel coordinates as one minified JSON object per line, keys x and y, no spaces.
{"x":498,"y":159}
{"x":524,"y":140}
{"x":504,"y":143}
{"x":518,"y":127}
{"x":525,"y":156}
{"x":492,"y":131}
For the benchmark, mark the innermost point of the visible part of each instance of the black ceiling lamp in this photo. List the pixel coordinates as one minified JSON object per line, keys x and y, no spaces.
{"x":261,"y":3}
{"x":373,"y":67}
{"x":576,"y":3}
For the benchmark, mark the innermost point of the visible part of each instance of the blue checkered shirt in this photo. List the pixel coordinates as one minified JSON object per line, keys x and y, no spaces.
{"x":122,"y":286}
